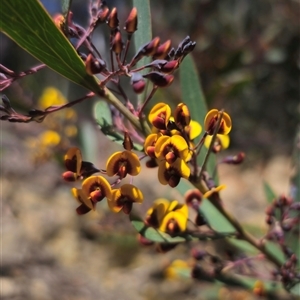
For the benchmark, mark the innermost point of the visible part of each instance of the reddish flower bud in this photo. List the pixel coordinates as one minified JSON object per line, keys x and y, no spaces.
{"x":112,"y":20}
{"x":94,"y":65}
{"x":102,"y":14}
{"x":127,"y":143}
{"x":270,"y":210}
{"x":138,"y":82}
{"x":159,"y":79}
{"x":234,"y":160}
{"x":162,"y":50}
{"x":131,"y":22}
{"x":69,"y":176}
{"x":182,"y":115}
{"x":198,"y":254}
{"x":146,"y":50}
{"x":193,"y":198}
{"x":82,"y":209}
{"x":117,"y":44}
{"x":170,"y":66}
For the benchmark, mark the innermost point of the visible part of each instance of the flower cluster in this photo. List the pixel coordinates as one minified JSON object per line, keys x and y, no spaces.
{"x":95,"y":188}
{"x":171,"y":143}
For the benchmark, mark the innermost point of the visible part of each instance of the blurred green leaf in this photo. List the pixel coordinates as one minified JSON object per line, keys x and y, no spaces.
{"x":65,"y":6}
{"x":211,"y":214}
{"x":29,"y":25}
{"x":275,"y":250}
{"x":102,"y":114}
{"x":269,"y":193}
{"x":144,"y":33}
{"x":193,"y":96}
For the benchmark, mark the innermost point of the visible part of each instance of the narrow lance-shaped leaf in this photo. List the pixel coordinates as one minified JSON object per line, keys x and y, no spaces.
{"x":144,"y":33}
{"x":192,"y":95}
{"x":29,"y":25}
{"x":269,"y":193}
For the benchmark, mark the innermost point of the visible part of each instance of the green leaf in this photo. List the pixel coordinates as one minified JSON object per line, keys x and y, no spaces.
{"x":144,"y":33}
{"x":30,"y":26}
{"x":65,"y":6}
{"x":104,"y":119}
{"x":213,"y":217}
{"x":275,"y":250}
{"x":193,"y":96}
{"x":269,"y":193}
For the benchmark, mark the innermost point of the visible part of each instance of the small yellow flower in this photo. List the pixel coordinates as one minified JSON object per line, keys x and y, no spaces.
{"x":167,"y":216}
{"x":159,"y":115}
{"x":149,"y":144}
{"x":221,"y":142}
{"x":96,"y":188}
{"x":49,"y":138}
{"x":171,"y":173}
{"x":124,"y":197}
{"x":171,"y":148}
{"x":85,"y":203}
{"x":122,"y":163}
{"x":156,"y":213}
{"x":182,"y":115}
{"x":211,"y":120}
{"x":175,"y":220}
{"x":50,"y":97}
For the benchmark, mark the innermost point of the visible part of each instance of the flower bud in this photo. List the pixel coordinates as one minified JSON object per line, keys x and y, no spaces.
{"x":173,"y":180}
{"x":131,"y":22}
{"x":234,"y":160}
{"x":127,"y":143}
{"x":102,"y":14}
{"x":159,"y":79}
{"x":117,"y":44}
{"x":137,"y":82}
{"x":69,"y":176}
{"x":162,"y":50}
{"x":112,"y":20}
{"x":170,"y":157}
{"x":170,"y":66}
{"x":94,"y":65}
{"x":193,"y":198}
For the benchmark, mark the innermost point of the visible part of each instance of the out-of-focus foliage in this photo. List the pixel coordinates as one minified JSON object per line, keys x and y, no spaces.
{"x":247,"y":54}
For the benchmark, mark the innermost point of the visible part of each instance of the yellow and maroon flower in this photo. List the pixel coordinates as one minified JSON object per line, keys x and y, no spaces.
{"x":167,"y":216}
{"x":182,"y":115}
{"x":122,"y":163}
{"x":149,"y":144}
{"x":159,"y":115}
{"x":77,"y":169}
{"x":221,"y":142}
{"x":96,"y":188}
{"x":124,"y":197}
{"x":85,"y":203}
{"x":175,"y":220}
{"x":211,"y":120}
{"x":156,"y":213}
{"x":171,"y":173}
{"x":171,"y":148}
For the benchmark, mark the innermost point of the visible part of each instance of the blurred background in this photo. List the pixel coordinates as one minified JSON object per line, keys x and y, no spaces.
{"x":248,"y":58}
